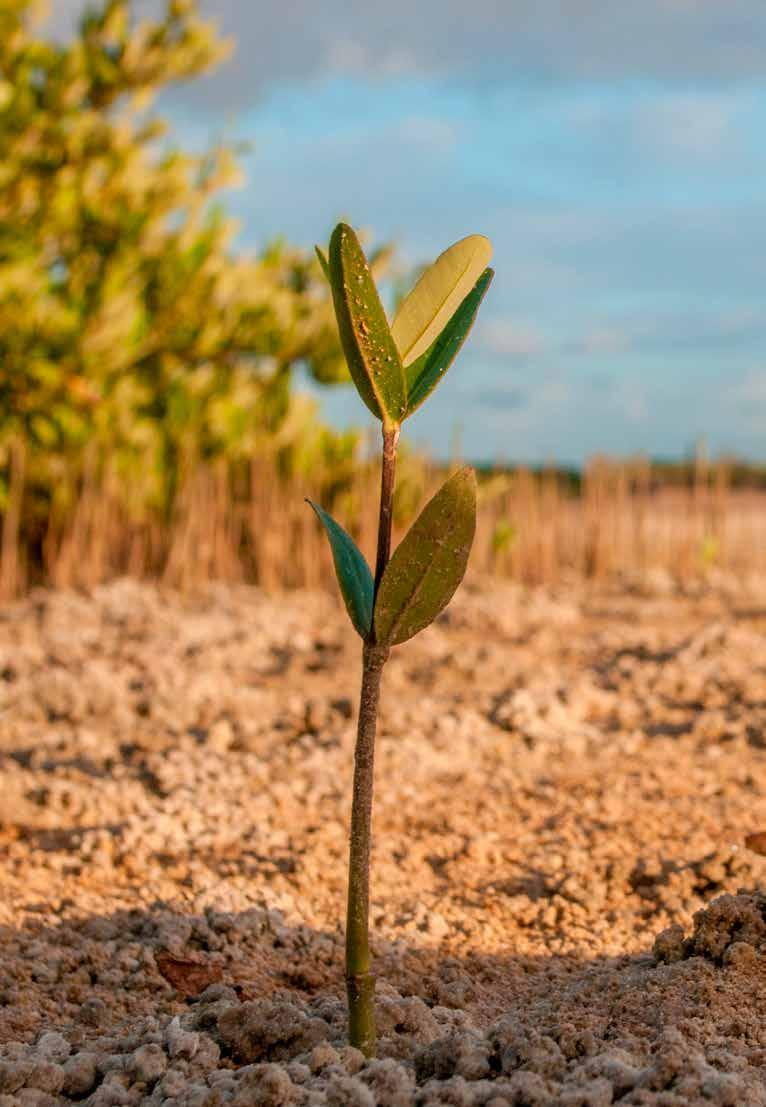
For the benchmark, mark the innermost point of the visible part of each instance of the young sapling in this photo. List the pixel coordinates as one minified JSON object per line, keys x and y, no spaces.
{"x":395,"y":367}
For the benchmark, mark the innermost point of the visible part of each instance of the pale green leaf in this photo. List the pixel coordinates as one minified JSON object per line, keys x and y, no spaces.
{"x":438,"y":293}
{"x":425,"y":372}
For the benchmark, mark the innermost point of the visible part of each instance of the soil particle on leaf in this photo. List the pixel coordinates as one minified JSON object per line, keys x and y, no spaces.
{"x":563,"y":910}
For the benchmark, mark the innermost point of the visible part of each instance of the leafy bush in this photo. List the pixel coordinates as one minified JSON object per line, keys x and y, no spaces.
{"x":132,"y":334}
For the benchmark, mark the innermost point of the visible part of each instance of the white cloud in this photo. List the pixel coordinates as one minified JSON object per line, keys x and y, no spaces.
{"x":299,"y":40}
{"x":510,"y":338}
{"x":354,"y":57}
{"x":425,"y":131}
{"x":701,"y":124}
{"x":602,"y":341}
{"x":749,"y":393}
{"x":630,"y":399}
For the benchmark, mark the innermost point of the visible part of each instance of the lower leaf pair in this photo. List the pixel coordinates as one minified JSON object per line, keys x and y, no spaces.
{"x":423,"y":573}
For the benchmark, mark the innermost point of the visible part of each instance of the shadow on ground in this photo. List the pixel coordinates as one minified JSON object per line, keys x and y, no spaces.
{"x":161,"y":1006}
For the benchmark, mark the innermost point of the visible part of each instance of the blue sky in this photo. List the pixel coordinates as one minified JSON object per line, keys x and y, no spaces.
{"x":613,"y":152}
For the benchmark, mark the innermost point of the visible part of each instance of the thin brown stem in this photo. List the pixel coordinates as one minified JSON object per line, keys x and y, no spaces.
{"x":360,"y":982}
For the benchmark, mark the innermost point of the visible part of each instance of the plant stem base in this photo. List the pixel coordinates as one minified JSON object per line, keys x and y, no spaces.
{"x":360,"y":990}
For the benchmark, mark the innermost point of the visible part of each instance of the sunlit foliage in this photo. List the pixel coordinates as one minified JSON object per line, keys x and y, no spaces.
{"x":131,"y":326}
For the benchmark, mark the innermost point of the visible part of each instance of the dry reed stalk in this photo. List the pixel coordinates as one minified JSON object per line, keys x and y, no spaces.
{"x":12,"y":576}
{"x":235,"y":523}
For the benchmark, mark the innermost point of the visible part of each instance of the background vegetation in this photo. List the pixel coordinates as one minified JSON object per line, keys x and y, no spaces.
{"x":147,"y":419}
{"x":135,"y":344}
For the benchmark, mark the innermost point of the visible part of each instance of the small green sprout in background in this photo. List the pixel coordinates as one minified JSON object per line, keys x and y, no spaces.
{"x":503,"y":536}
{"x":395,"y":367}
{"x":709,"y":551}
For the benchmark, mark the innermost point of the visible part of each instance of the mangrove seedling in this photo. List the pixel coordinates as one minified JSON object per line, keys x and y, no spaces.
{"x":395,"y":367}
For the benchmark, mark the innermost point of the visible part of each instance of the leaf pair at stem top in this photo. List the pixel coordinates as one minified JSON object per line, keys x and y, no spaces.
{"x":396,"y":367}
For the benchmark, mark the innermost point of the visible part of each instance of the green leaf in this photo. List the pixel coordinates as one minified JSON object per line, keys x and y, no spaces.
{"x":424,"y":312}
{"x":425,"y":372}
{"x":322,"y":257}
{"x":429,"y":562}
{"x":371,"y":353}
{"x":353,"y":572}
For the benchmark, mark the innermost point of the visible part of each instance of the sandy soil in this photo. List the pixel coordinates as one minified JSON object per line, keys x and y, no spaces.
{"x":564,"y":912}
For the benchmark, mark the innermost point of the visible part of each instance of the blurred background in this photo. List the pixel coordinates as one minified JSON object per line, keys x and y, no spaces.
{"x":170,"y":381}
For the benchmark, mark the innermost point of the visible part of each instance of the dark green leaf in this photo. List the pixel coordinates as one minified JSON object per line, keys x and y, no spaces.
{"x":424,"y":374}
{"x":373,"y":359}
{"x":322,"y":258}
{"x":429,"y":562}
{"x":352,"y":571}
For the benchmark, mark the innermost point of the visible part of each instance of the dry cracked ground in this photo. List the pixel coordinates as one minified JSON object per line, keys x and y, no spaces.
{"x":564,"y":911}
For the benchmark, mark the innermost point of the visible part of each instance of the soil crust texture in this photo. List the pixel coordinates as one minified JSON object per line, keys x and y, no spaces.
{"x":564,"y":911}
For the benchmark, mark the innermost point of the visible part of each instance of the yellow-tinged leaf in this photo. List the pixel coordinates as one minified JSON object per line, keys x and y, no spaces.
{"x":429,"y":562}
{"x":426,"y":310}
{"x":425,"y":372}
